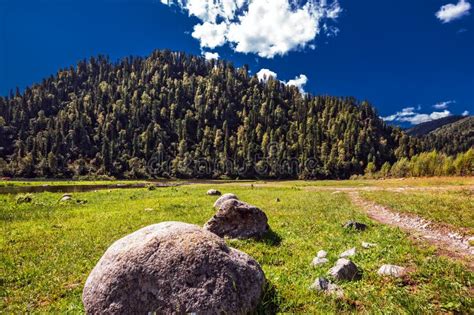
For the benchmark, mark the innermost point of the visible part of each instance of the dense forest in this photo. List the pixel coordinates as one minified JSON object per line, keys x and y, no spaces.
{"x":452,"y":138}
{"x":176,"y":115}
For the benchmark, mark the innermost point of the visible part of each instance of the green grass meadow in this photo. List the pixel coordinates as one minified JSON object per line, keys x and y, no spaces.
{"x":48,"y":249}
{"x":455,"y":208}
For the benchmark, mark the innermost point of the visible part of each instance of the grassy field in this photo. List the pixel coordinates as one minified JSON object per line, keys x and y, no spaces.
{"x":15,"y":183}
{"x":391,"y":182}
{"x":48,"y":249}
{"x":455,"y":208}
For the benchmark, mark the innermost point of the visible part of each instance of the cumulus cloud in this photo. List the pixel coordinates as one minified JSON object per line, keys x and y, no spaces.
{"x":443,"y":105}
{"x":451,"y":12}
{"x":409,"y":114}
{"x":465,"y":113}
{"x":300,"y":81}
{"x":264,"y":27}
{"x":210,"y":35}
{"x":210,"y":55}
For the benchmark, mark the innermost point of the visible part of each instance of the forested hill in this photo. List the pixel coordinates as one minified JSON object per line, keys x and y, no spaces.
{"x":425,"y":128}
{"x":177,"y":115}
{"x":451,"y":138}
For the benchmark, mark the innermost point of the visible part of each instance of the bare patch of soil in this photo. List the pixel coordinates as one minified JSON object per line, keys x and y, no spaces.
{"x":449,"y":242}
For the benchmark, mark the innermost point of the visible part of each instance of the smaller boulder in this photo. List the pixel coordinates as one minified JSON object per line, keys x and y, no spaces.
{"x":345,"y":270}
{"x":392,"y":271}
{"x":213,"y":192}
{"x":353,"y":225}
{"x":223,"y":199}
{"x":238,"y":219}
{"x":324,"y":285}
{"x":348,"y":253}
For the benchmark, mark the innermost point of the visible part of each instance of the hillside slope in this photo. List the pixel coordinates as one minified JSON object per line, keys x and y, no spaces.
{"x":451,"y":138}
{"x":425,"y":128}
{"x":177,"y":115}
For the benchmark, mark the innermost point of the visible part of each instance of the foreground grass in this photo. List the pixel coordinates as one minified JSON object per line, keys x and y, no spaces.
{"x":455,"y":208}
{"x":48,"y":250}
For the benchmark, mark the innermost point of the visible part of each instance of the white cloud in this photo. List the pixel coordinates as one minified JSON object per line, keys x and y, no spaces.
{"x":451,"y":12}
{"x":465,"y":113}
{"x":299,"y":82}
{"x":211,"y":55}
{"x":409,"y":114}
{"x":265,"y":74}
{"x":210,"y":35}
{"x":265,"y":27}
{"x":443,"y":105}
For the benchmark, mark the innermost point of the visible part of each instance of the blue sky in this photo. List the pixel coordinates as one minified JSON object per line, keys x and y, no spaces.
{"x":410,"y":59}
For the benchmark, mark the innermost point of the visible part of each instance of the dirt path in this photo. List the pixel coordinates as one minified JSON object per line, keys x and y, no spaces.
{"x":448,"y":242}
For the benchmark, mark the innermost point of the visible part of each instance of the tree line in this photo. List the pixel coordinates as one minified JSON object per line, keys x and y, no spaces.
{"x":177,"y":115}
{"x":426,"y":164}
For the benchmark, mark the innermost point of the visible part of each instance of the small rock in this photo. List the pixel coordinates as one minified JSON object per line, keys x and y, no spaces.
{"x":24,"y":198}
{"x":66,"y":195}
{"x":322,"y":254}
{"x":324,"y":285}
{"x":319,"y":261}
{"x":65,"y":198}
{"x":213,"y":192}
{"x":149,"y":209}
{"x":391,"y":270}
{"x":355,"y":225}
{"x":348,"y":253}
{"x":345,"y":270}
{"x":368,"y":245}
{"x":223,"y":199}
{"x":277,"y":200}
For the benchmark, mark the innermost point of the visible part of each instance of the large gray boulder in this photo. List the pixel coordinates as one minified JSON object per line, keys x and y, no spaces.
{"x":223,"y":199}
{"x":173,"y":267}
{"x":238,"y":219}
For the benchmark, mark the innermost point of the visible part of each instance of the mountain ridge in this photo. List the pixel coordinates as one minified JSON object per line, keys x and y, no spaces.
{"x":430,"y":126}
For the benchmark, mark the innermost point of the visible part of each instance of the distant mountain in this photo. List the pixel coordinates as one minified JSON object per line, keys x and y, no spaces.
{"x":451,"y":138}
{"x":425,"y":128}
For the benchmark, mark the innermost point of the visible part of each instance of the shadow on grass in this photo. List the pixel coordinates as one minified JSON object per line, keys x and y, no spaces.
{"x":270,"y":238}
{"x":271,"y":301}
